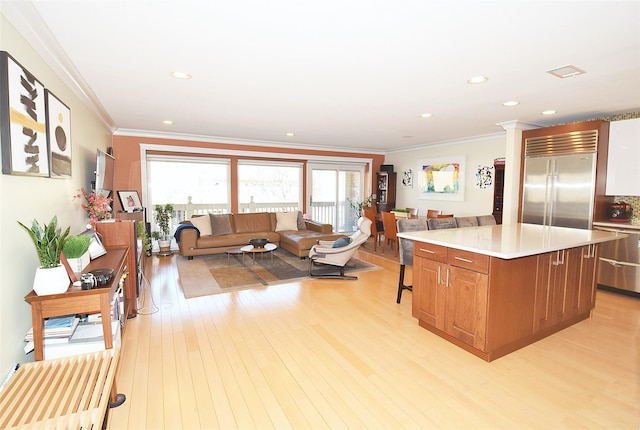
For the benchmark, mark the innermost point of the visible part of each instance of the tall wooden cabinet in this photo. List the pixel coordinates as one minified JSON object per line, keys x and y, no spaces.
{"x":386,"y":191}
{"x":123,"y":233}
{"x":498,"y":190}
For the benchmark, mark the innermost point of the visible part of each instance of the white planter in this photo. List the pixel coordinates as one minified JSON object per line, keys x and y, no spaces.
{"x":78,"y":264}
{"x":51,"y":280}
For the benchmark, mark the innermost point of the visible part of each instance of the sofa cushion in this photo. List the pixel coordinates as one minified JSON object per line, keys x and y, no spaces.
{"x":343,"y":241}
{"x":252,"y":222}
{"x":286,"y":221}
{"x":203,"y":224}
{"x":301,"y":224}
{"x":220,"y":224}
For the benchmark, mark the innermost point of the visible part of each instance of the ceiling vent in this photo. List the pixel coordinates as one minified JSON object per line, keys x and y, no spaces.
{"x":568,"y":71}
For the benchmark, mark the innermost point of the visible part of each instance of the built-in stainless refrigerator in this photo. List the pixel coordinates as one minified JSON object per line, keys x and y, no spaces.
{"x":559,"y":182}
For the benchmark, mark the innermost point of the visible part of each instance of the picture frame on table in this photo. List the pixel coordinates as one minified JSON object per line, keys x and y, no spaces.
{"x":130,"y":201}
{"x":58,"y":136}
{"x":96,"y":248}
{"x":23,"y":128}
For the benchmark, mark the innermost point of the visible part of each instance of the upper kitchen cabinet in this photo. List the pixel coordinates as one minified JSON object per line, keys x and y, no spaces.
{"x":623,"y":172}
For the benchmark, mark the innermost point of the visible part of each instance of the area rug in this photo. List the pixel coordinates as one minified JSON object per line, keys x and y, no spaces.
{"x":215,"y":274}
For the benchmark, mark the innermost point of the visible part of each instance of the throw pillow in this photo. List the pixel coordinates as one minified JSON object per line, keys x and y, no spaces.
{"x":220,"y":224}
{"x":286,"y":221}
{"x":301,"y":224}
{"x":203,"y":224}
{"x":343,"y":241}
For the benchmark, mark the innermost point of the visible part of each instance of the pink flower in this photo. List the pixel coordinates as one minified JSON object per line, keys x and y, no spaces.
{"x":97,"y":206}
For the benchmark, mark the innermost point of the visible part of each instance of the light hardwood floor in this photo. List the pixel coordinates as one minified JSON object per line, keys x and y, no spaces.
{"x":342,"y":354}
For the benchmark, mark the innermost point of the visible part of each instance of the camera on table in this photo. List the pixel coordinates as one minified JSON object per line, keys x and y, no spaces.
{"x":96,"y":278}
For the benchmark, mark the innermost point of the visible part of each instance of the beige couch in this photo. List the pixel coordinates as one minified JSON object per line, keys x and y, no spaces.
{"x":214,"y":234}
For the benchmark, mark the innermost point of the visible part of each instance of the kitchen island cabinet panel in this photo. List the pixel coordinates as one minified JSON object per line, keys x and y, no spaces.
{"x":465,"y":315}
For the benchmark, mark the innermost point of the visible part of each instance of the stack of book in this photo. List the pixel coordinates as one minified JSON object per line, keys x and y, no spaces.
{"x":81,"y":337}
{"x":57,"y":330}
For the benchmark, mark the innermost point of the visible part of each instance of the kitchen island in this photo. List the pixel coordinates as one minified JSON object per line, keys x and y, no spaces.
{"x":495,"y":289}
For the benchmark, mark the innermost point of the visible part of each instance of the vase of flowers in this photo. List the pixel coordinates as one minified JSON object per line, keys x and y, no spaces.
{"x":51,"y":277}
{"x":97,"y":206}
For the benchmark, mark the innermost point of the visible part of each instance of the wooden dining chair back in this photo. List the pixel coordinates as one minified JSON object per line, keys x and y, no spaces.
{"x":413,"y":213}
{"x":390,"y":231}
{"x":377,"y":233}
{"x":433,"y":213}
{"x":445,"y":216}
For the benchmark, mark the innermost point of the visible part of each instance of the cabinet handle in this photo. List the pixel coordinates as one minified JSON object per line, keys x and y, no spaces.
{"x":447,"y":283}
{"x":439,"y":277}
{"x":464,"y":259}
{"x":427,"y":250}
{"x":559,"y":261}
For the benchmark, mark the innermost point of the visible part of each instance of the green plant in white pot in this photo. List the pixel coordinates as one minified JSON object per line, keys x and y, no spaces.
{"x":163,"y":214}
{"x":51,"y":277}
{"x":76,"y":250}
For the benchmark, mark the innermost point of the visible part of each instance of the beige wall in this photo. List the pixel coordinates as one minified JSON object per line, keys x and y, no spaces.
{"x":478,"y":152}
{"x":24,"y":198}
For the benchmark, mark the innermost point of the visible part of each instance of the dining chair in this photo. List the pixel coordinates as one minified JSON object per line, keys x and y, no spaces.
{"x":377,"y":233}
{"x":445,"y":216}
{"x":413,"y":212}
{"x":441,"y":223}
{"x":390,"y":230}
{"x":406,"y":250}
{"x":433,"y":213}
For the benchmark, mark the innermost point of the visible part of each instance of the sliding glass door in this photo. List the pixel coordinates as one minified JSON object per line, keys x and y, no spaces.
{"x":333,"y":189}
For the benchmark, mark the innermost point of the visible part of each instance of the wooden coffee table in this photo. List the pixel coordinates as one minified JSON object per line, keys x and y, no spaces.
{"x":250,"y":249}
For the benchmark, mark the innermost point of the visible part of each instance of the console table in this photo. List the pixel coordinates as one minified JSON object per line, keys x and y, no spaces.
{"x":79,"y":301}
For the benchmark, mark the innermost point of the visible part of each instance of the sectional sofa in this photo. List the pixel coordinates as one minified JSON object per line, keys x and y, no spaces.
{"x":215,"y":234}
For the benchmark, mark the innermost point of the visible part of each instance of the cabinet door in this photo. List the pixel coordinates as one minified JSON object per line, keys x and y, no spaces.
{"x":465,"y":315}
{"x":428,"y":292}
{"x":585,"y":294}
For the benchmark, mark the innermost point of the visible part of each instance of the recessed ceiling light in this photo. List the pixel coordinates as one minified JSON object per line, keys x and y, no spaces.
{"x":477,"y":80}
{"x":180,"y":75}
{"x":510,"y":103}
{"x":290,"y":134}
{"x":549,"y":112}
{"x":167,"y":122}
{"x":426,"y":115}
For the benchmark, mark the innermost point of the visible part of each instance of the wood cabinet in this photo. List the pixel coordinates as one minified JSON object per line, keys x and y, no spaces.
{"x":492,"y":306}
{"x":498,"y":190}
{"x":564,"y":285}
{"x":386,"y":191}
{"x":453,"y":292}
{"x":123,"y":233}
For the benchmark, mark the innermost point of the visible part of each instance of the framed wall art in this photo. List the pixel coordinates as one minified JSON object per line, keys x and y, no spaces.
{"x":407,"y":178}
{"x":441,"y":178}
{"x":130,"y":201}
{"x":58,"y":136}
{"x":23,"y":131}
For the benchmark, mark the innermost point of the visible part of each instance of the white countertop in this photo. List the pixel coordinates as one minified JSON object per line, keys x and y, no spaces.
{"x":617,"y":225}
{"x":511,"y":240}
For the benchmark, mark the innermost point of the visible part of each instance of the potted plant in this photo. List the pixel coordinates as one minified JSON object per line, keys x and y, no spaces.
{"x":163,"y":216}
{"x":144,"y":237}
{"x":76,"y":251}
{"x":51,"y":277}
{"x":359,"y":206}
{"x":97,"y":206}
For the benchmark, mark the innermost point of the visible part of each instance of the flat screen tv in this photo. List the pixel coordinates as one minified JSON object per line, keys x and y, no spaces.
{"x":105,"y":170}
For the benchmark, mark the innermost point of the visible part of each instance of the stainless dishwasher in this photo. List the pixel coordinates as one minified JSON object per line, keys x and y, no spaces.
{"x":619,"y":265}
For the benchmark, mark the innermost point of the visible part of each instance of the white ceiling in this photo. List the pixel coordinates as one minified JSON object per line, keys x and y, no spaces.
{"x":349,"y":73}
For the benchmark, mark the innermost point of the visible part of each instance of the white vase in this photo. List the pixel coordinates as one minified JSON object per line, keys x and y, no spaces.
{"x":51,"y":280}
